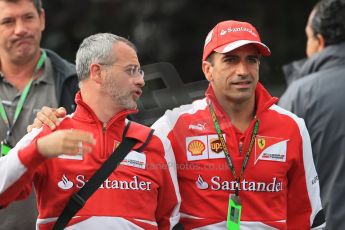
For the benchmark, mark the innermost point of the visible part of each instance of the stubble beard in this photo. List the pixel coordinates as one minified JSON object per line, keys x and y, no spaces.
{"x":121,"y":96}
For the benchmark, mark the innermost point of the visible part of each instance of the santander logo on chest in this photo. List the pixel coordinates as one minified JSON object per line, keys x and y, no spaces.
{"x":270,"y":149}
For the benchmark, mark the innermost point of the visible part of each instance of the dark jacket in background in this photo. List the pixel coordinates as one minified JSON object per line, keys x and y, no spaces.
{"x":22,"y":215}
{"x":66,"y":81}
{"x":316,"y":92}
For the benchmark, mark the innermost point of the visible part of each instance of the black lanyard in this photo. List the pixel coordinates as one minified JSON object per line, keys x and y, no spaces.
{"x":226,"y":151}
{"x":22,"y":97}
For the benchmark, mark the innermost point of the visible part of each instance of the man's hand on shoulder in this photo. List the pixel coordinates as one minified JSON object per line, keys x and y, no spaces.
{"x":48,"y":116}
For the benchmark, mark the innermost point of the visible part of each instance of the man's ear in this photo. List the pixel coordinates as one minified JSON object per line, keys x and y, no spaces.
{"x":96,"y":73}
{"x":322,"y":42}
{"x":42,"y":17}
{"x":207,"y":69}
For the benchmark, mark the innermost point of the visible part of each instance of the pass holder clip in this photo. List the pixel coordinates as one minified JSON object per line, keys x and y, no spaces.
{"x":4,"y":148}
{"x":234,"y":212}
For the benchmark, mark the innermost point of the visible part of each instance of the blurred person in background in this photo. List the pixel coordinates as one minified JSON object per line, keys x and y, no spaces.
{"x":316,"y":93}
{"x":30,"y":77}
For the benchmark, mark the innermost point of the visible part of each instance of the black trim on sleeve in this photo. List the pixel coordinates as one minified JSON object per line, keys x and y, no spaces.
{"x":319,"y":219}
{"x":146,"y":142}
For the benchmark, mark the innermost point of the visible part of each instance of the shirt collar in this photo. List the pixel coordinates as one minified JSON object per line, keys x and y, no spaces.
{"x":47,"y":74}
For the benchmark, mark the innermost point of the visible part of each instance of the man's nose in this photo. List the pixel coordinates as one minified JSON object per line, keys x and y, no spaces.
{"x":20,"y":27}
{"x":242,"y":68}
{"x":139,"y":81}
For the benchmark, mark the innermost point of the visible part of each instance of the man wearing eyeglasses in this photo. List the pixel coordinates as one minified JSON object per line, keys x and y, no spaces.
{"x":142,"y":193}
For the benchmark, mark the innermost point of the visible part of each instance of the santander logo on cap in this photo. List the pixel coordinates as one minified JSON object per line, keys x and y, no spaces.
{"x":238,"y":29}
{"x":229,"y":35}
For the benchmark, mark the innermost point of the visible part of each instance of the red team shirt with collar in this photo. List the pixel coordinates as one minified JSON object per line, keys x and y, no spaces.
{"x":279,"y":189}
{"x":142,"y":193}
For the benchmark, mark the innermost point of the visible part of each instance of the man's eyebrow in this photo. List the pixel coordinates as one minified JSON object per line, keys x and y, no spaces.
{"x":28,"y":14}
{"x":253,"y":56}
{"x":131,"y":65}
{"x":229,"y":55}
{"x":6,"y":18}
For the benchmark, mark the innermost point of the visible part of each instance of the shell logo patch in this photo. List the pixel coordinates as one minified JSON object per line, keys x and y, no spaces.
{"x":196,"y":147}
{"x":270,"y":149}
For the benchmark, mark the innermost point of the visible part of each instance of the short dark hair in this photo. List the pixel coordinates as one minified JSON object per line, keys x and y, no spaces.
{"x":37,"y":4}
{"x":210,"y":58}
{"x":328,"y":20}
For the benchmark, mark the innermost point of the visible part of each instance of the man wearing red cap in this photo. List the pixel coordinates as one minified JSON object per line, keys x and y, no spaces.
{"x":243,"y":162}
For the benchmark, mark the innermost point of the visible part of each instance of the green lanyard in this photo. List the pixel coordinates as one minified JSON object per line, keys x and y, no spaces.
{"x":22,"y":97}
{"x":226,"y":151}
